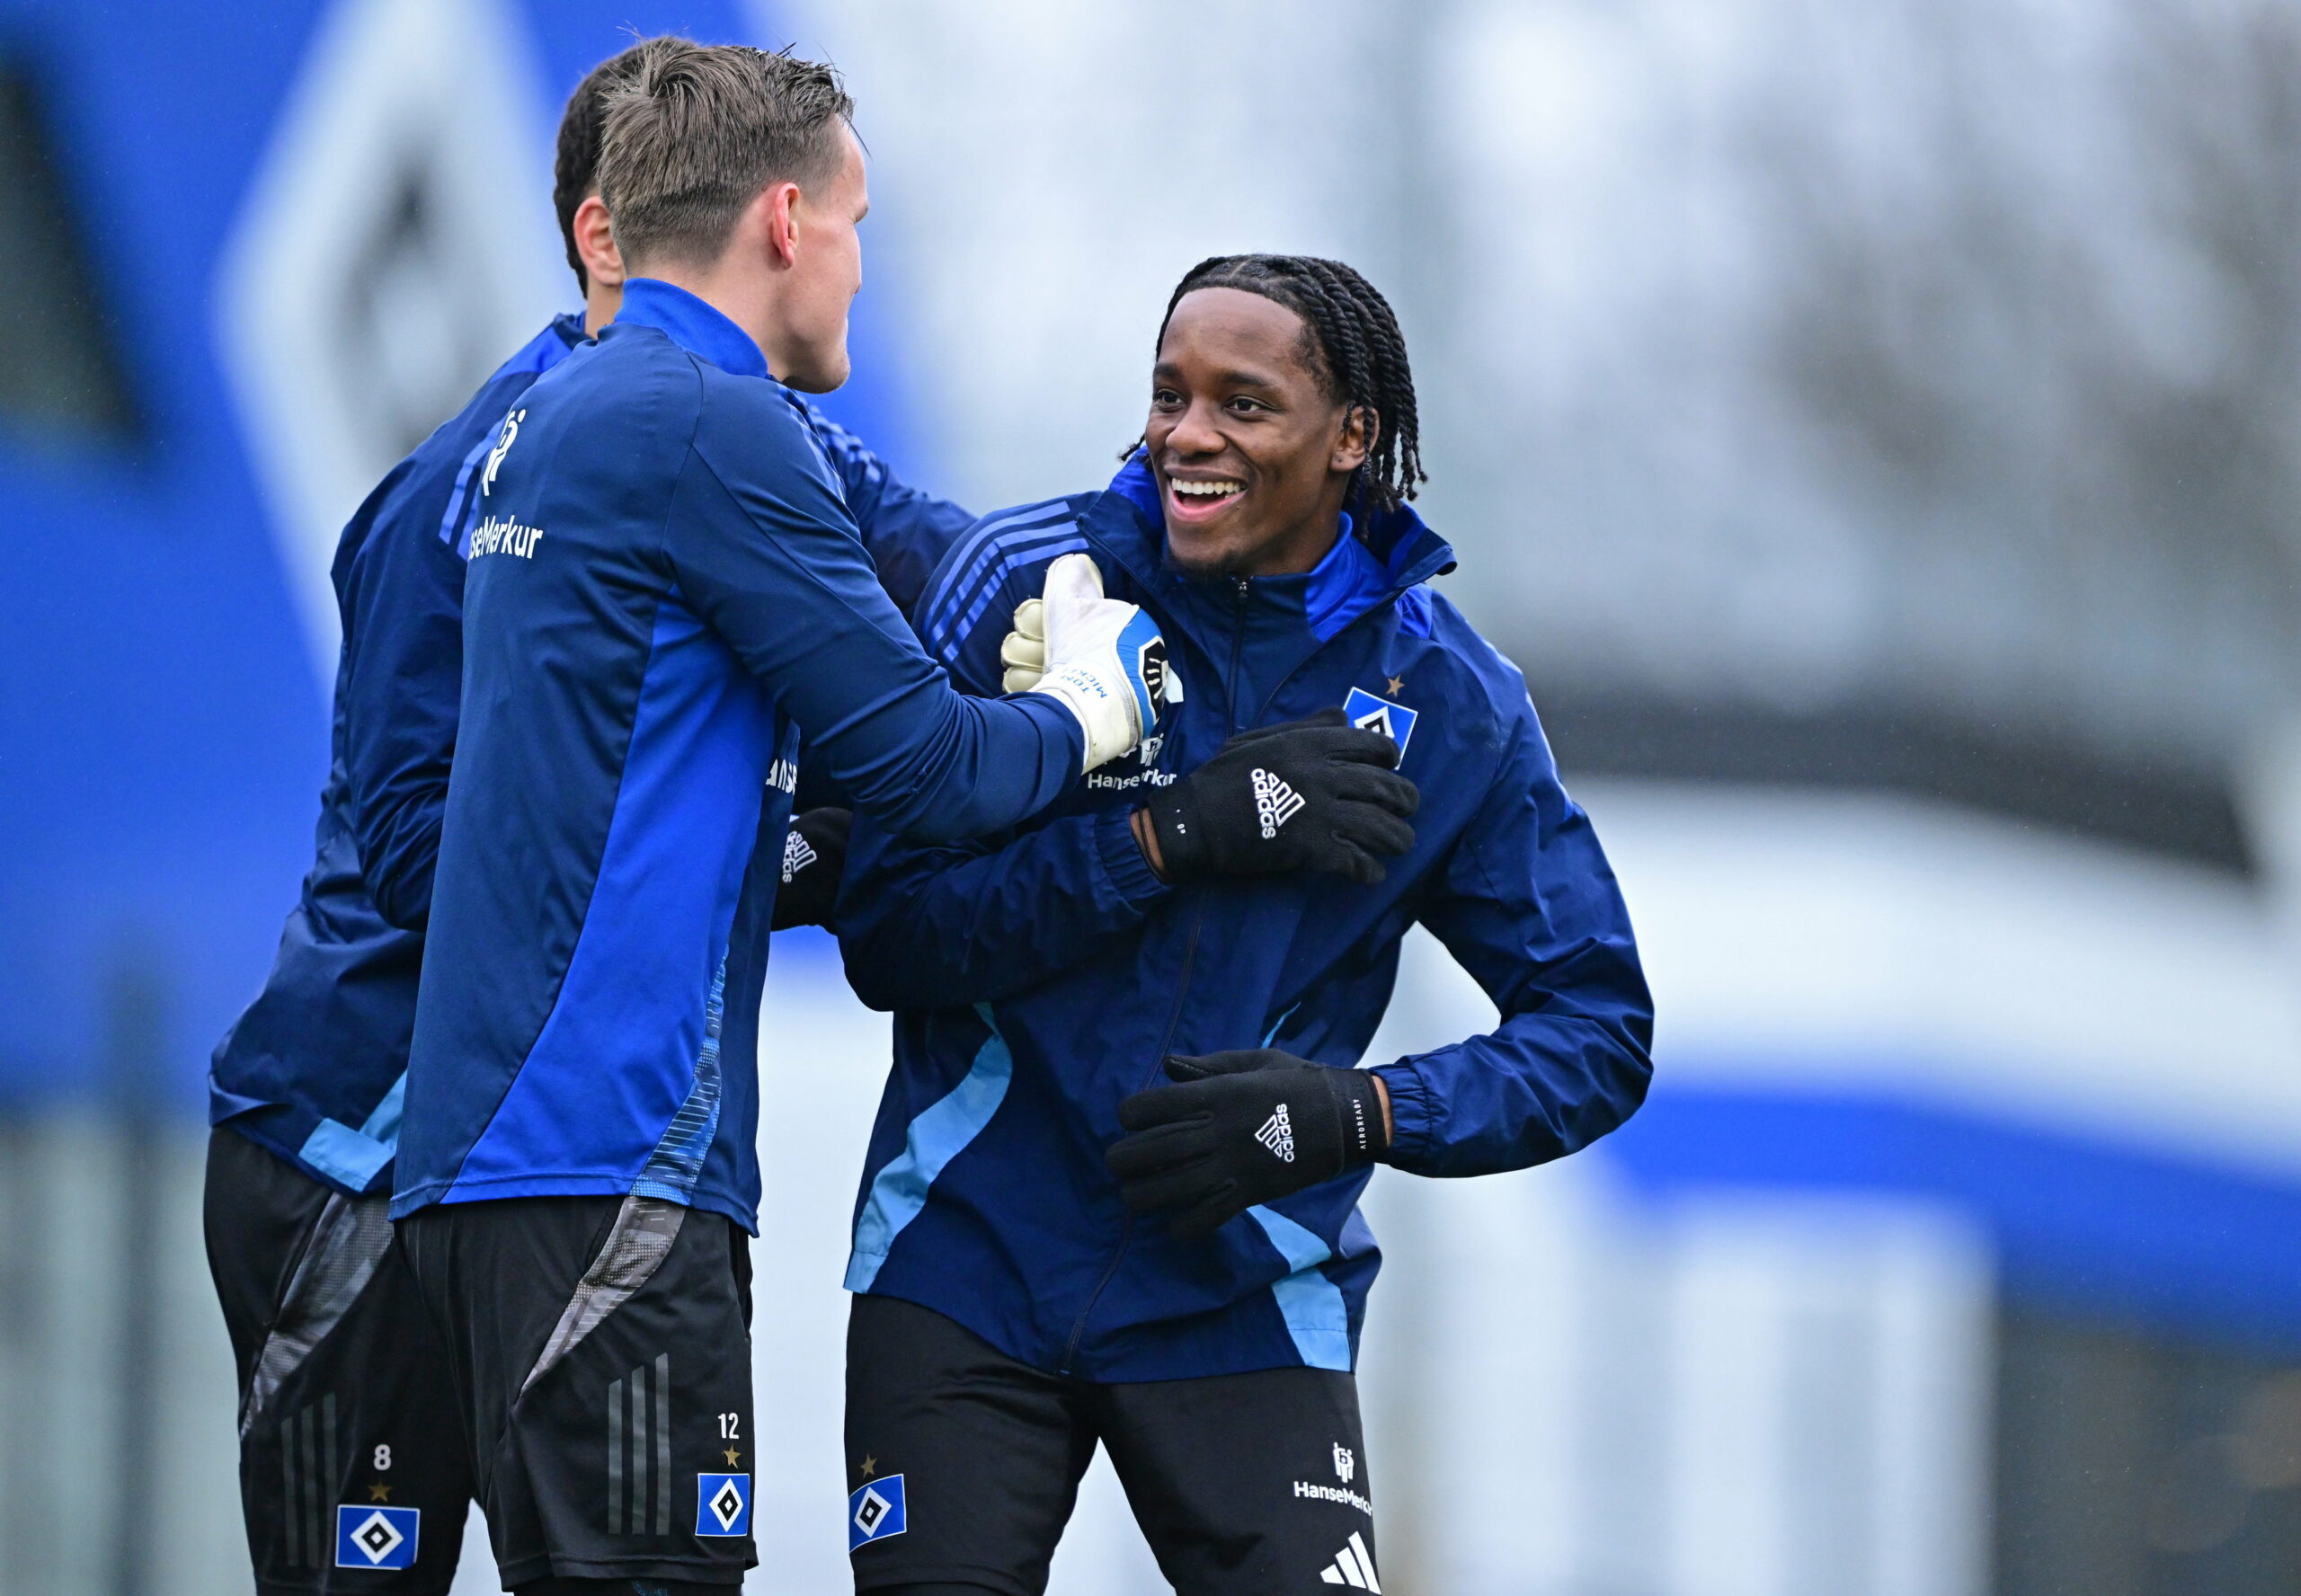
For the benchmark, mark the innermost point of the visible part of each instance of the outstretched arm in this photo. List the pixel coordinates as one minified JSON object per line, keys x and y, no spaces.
{"x":763,"y":548}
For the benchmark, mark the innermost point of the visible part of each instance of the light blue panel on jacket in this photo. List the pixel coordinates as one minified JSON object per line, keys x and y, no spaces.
{"x":937,"y":1136}
{"x":1310,"y":1304}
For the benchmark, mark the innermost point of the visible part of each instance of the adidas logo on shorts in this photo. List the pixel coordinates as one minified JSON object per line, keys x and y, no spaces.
{"x":1276,"y":802}
{"x":1277,"y":1134}
{"x":1353,"y":1565}
{"x":796,"y":855}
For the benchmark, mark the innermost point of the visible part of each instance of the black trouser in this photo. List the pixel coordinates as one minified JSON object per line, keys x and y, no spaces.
{"x":964,"y":1464}
{"x":600,"y":1351}
{"x":353,"y":1472}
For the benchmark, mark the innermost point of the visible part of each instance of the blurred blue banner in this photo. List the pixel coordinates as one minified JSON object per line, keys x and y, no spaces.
{"x":267,"y":249}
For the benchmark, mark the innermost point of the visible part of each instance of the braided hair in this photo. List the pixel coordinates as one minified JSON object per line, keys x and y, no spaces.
{"x":1351,"y":344}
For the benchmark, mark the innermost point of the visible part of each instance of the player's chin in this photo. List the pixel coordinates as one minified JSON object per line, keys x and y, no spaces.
{"x":1203,"y":552}
{"x":822,"y":370}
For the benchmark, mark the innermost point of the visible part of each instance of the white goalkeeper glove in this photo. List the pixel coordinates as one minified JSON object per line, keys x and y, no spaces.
{"x":1024,"y":651}
{"x":1105,"y":660}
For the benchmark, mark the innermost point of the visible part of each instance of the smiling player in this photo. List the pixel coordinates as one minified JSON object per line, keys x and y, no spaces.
{"x":1111,"y":1194}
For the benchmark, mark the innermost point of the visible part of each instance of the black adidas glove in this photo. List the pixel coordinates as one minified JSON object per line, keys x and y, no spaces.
{"x":814,"y":856}
{"x":1311,"y":794}
{"x":1242,"y":1128}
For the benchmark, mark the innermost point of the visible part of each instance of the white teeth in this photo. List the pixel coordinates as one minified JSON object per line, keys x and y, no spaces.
{"x":1207,"y":489}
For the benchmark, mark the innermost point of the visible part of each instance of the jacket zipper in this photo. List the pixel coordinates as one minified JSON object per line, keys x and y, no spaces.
{"x":1241,"y":593}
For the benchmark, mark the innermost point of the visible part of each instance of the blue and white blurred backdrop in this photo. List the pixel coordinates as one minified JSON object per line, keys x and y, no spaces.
{"x":1876,"y":430}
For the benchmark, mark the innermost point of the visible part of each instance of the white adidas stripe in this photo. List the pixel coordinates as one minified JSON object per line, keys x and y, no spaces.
{"x":1353,"y":1565}
{"x":1276,"y":802}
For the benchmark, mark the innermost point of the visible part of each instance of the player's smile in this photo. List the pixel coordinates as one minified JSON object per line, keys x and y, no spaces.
{"x":1201,"y":499}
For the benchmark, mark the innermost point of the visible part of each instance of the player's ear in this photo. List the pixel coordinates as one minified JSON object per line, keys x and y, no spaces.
{"x":1355,"y":439}
{"x":595,"y":244}
{"x":774,"y":217}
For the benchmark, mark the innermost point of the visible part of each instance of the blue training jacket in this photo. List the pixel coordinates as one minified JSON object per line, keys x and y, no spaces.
{"x":1040,"y":979}
{"x":312,"y":1069}
{"x":665,"y":589}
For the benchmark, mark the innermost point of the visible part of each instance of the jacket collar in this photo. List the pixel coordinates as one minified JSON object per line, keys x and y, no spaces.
{"x":692,"y":324}
{"x":1396,"y":552}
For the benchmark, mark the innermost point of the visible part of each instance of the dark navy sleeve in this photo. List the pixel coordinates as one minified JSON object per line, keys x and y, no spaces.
{"x":928,"y":927}
{"x":400,"y":592}
{"x":765,"y":552}
{"x":906,"y":531}
{"x":1528,"y":906}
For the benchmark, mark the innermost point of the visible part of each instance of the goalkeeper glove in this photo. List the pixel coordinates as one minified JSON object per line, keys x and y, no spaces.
{"x":1022,"y":652}
{"x":1105,"y":660}
{"x":1241,"y":1128}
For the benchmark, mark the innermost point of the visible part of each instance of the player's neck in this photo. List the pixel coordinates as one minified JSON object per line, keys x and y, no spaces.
{"x":745,"y":289}
{"x":601,"y":302}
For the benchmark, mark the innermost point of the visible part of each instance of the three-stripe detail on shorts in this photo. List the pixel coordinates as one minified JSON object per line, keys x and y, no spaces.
{"x":309,"y":1469}
{"x":639,"y":1449}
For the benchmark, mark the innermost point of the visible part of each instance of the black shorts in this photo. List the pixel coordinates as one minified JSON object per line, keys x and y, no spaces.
{"x":353,"y":1472}
{"x":600,"y":1347}
{"x":963,"y":1466}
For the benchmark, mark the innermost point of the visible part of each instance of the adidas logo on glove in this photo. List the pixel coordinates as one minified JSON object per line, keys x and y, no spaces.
{"x":1275,"y":803}
{"x":798,"y":855}
{"x":1277,"y":1134}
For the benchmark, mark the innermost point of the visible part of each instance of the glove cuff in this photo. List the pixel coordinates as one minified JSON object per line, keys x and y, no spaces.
{"x":1108,"y":721}
{"x":1358,"y":1109}
{"x":1183,"y":845}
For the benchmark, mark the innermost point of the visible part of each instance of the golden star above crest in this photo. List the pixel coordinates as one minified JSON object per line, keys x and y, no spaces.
{"x":1398,"y":685}
{"x":733,"y":1457}
{"x":870,"y":1464}
{"x":380,"y":1493}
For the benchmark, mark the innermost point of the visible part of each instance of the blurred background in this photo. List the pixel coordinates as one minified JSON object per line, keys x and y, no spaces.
{"x":1876,"y":430}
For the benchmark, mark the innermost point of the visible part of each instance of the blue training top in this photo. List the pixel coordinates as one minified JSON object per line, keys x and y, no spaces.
{"x":312,"y":1070}
{"x":666,"y":588}
{"x":1040,"y":979}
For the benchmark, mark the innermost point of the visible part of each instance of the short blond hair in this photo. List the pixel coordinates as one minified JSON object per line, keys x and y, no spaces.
{"x":695,"y":133}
